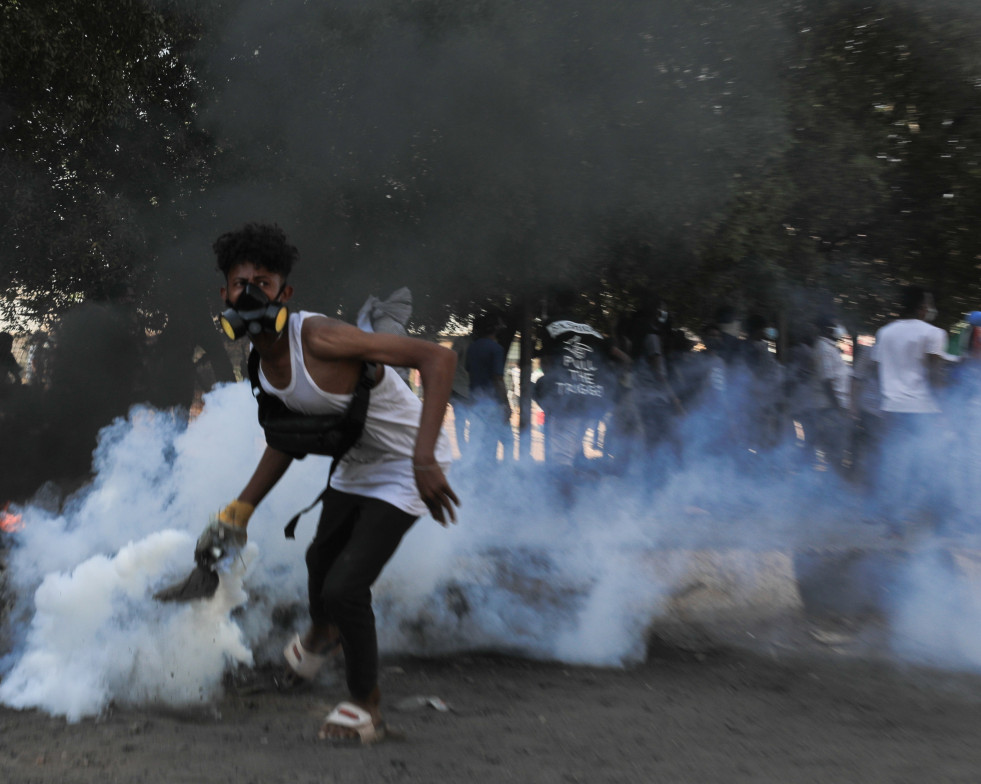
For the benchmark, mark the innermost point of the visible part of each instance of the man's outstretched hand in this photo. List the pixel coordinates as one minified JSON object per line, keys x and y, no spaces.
{"x":225,"y":532}
{"x":436,"y":492}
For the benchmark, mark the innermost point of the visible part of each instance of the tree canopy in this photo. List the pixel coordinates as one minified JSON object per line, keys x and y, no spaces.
{"x":97,"y":123}
{"x":878,"y":182}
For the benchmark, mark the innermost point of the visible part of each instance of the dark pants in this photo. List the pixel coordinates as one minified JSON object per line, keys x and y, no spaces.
{"x":832,"y":431}
{"x":865,"y":447}
{"x":355,"y":538}
{"x":912,"y":468}
{"x":489,"y":427}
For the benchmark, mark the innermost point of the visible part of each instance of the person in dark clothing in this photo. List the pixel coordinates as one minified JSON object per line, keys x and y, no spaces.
{"x":460,"y":396}
{"x":95,"y":373}
{"x":186,"y":358}
{"x":656,"y":398}
{"x":714,"y":434}
{"x":730,"y":347}
{"x":577,"y":387}
{"x":10,"y":371}
{"x":490,"y":407}
{"x":800,"y":387}
{"x":764,"y":391}
{"x":833,"y":381}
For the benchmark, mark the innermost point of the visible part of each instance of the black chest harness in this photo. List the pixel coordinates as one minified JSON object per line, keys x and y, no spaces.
{"x":299,"y":435}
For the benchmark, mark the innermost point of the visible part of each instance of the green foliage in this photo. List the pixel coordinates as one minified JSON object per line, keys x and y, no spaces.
{"x":879,"y":185}
{"x":96,"y":105}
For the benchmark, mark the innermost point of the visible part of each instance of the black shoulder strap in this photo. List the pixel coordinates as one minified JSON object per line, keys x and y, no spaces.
{"x":358,"y":409}
{"x":290,"y":530}
{"x":254,"y":372}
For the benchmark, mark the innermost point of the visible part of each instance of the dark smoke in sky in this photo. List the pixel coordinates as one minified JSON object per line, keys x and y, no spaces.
{"x":462,"y":149}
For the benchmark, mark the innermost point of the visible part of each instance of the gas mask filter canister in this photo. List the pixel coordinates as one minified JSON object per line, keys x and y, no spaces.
{"x":253,"y":313}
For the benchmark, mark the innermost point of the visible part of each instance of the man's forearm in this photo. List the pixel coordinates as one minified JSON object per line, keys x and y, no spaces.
{"x":272,"y":466}
{"x":436,"y":374}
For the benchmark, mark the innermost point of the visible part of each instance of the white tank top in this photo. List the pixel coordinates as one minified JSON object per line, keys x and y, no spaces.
{"x":380,"y":464}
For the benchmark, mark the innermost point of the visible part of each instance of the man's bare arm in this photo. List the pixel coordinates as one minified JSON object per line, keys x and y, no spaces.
{"x":272,"y":465}
{"x":936,"y":371}
{"x":235,"y":516}
{"x":330,"y":340}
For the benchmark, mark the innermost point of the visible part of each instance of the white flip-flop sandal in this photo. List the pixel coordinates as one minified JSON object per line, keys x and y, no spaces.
{"x":304,"y":663}
{"x":353,"y":717}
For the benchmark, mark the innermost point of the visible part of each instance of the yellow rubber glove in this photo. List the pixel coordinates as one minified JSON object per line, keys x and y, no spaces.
{"x":225,"y":533}
{"x":237,"y":513}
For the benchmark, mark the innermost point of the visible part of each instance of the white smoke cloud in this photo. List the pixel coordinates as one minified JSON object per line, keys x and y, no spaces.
{"x":86,"y":628}
{"x":523,"y":571}
{"x":96,"y":637}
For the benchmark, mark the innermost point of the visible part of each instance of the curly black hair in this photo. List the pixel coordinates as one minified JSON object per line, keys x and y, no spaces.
{"x":262,"y":244}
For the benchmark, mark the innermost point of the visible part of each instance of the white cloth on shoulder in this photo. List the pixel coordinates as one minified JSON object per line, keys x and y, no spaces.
{"x":389,"y":316}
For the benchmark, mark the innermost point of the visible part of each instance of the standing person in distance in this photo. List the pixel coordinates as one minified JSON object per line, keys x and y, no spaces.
{"x":490,"y":407}
{"x":833,"y":380}
{"x":911,"y":355}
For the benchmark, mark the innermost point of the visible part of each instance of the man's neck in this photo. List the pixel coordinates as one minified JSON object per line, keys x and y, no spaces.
{"x":271,"y":348}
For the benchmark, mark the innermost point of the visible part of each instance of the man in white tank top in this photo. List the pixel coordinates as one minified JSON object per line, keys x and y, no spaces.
{"x":910,"y":354}
{"x":384,"y":483}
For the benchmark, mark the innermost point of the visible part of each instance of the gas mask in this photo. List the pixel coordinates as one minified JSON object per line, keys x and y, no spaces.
{"x":253,"y":313}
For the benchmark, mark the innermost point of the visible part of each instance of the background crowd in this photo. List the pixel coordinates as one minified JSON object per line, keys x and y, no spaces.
{"x":881,"y":416}
{"x":884,"y":416}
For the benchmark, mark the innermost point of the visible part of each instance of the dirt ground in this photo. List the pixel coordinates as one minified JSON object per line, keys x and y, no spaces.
{"x":793,"y":710}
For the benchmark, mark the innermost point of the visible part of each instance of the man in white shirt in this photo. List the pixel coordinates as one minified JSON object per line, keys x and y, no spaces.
{"x":910,"y":354}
